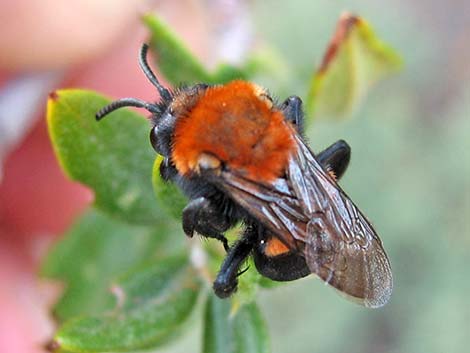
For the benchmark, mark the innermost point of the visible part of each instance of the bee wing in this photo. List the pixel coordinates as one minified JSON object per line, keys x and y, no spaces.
{"x":341,"y":247}
{"x":274,"y":205}
{"x":309,"y":212}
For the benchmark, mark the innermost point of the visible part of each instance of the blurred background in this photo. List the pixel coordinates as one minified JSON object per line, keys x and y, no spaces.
{"x":410,"y":168}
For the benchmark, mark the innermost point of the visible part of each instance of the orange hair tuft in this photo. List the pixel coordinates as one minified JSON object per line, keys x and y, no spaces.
{"x":275,"y":247}
{"x":236,"y":123}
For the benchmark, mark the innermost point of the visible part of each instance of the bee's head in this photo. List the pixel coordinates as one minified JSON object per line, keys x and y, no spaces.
{"x":201,"y":127}
{"x":164,"y":112}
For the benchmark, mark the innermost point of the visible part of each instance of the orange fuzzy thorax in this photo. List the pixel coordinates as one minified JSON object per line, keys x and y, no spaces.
{"x":236,"y":124}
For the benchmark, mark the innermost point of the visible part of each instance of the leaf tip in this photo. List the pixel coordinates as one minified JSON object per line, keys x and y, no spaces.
{"x":346,"y":23}
{"x":53,"y":96}
{"x":148,"y":17}
{"x":52,"y":346}
{"x":348,"y":19}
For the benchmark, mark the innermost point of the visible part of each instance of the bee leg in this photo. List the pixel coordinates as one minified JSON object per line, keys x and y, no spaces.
{"x":226,"y":281}
{"x":335,"y":158}
{"x":292,"y":110}
{"x":202,"y":217}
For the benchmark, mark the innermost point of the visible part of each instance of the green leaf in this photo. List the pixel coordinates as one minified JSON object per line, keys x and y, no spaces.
{"x":179,"y":65}
{"x":169,"y":196}
{"x":112,"y":156}
{"x":154,"y":302}
{"x":175,"y":60}
{"x":241,"y":332}
{"x":93,"y":253}
{"x":226,"y":72}
{"x":354,"y":61}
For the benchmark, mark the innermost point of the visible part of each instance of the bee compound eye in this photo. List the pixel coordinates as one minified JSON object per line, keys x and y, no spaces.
{"x":160,"y":138}
{"x":154,"y":138}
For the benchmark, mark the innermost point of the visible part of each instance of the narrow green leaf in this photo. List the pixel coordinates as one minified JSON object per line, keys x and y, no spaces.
{"x":93,"y":253}
{"x":355,"y":59}
{"x":175,"y":60}
{"x":169,"y":196}
{"x":112,"y":156}
{"x":241,"y":332}
{"x":153,"y":303}
{"x":226,"y":73}
{"x":179,"y":65}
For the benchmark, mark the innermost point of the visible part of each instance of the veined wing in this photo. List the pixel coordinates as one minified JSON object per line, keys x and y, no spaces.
{"x":309,"y":212}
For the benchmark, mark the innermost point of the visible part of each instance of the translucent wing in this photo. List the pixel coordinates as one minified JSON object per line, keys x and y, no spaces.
{"x":341,"y":246}
{"x":309,"y":212}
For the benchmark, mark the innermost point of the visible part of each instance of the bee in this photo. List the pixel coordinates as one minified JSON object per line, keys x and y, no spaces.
{"x":241,"y":157}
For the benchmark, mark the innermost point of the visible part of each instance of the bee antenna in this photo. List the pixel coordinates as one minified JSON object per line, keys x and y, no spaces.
{"x":127,"y":102}
{"x":164,"y":93}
